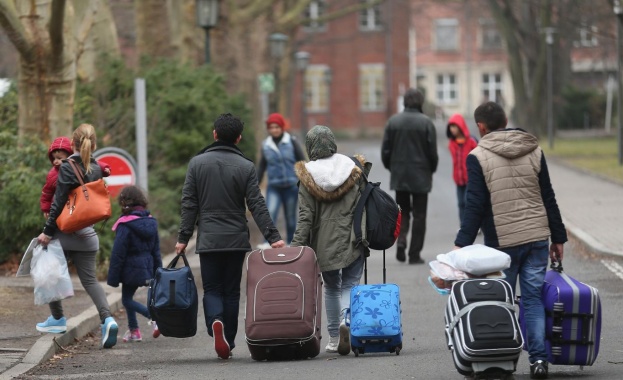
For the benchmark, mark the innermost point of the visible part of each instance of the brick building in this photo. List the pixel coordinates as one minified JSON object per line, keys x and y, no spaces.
{"x":459,"y":58}
{"x":358,"y":68}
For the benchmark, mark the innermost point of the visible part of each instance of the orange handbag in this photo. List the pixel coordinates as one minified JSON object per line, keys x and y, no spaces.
{"x":86,"y":205}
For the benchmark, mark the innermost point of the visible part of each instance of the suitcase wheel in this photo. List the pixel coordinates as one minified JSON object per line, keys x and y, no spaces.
{"x":398,"y":348}
{"x":356,"y":352}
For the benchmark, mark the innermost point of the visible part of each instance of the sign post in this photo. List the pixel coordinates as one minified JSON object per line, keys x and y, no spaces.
{"x":122,"y":168}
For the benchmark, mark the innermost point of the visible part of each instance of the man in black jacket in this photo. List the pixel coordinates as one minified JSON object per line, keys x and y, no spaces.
{"x":409,"y":152}
{"x":219,"y":180}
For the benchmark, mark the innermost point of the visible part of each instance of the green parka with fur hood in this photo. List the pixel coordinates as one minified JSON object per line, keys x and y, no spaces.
{"x":330,"y":186}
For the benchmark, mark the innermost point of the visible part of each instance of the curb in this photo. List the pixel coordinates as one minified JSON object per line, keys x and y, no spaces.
{"x":588,"y":241}
{"x":77,"y":327}
{"x":46,"y":346}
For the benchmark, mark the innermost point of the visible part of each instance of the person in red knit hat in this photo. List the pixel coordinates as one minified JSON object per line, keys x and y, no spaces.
{"x":59,"y":150}
{"x":280,"y":151}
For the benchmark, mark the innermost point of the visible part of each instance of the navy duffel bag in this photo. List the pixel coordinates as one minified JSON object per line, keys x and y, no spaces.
{"x":173,"y":301}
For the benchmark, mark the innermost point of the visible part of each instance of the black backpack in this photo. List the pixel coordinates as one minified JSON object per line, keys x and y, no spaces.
{"x":383,"y":215}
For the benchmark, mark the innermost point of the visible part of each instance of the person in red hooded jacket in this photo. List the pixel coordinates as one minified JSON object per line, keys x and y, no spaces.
{"x":460,"y":144}
{"x":59,"y":150}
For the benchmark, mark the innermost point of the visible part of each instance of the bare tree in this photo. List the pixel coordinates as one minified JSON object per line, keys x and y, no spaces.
{"x":522,"y":24}
{"x":49,"y":38}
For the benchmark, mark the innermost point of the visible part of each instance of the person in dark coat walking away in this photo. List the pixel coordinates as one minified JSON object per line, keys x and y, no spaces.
{"x":81,"y":246}
{"x":331,"y":185}
{"x":135,"y":256}
{"x":280,"y":151}
{"x":409,"y":152}
{"x":460,"y":144}
{"x":219,"y":181}
{"x":509,"y":195}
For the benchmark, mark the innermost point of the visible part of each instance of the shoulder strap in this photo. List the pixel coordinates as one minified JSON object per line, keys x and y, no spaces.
{"x":77,"y":171}
{"x":359,"y":212}
{"x":358,"y":164}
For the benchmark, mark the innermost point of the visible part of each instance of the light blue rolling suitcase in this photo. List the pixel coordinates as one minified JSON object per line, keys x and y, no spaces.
{"x":374,"y":314}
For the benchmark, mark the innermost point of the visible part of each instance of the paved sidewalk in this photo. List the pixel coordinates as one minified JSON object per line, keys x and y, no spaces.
{"x":592,"y":210}
{"x":591,"y":207}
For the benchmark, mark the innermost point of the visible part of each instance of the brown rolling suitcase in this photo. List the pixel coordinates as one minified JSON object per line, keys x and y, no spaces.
{"x":284,"y":304}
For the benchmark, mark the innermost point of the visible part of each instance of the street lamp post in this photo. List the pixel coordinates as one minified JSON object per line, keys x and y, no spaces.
{"x":207,"y":15}
{"x":549,"y":40}
{"x":277,"y":42}
{"x":618,"y":10}
{"x":328,"y":77}
{"x":302,"y":60}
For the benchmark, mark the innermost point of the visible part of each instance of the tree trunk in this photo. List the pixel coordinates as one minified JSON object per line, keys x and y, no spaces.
{"x":96,"y":35}
{"x":50,"y":39}
{"x":187,"y":38}
{"x":47,"y":79}
{"x":152,"y":28}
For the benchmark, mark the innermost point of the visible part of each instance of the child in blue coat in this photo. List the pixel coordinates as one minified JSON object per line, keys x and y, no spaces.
{"x":135,"y":256}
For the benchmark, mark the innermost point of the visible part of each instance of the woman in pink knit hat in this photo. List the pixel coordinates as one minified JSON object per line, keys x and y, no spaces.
{"x":280,"y":151}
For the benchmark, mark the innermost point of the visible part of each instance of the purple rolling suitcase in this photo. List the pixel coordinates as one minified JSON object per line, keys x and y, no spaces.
{"x":573,"y":319}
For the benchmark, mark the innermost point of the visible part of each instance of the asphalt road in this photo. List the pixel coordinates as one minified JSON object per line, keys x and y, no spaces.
{"x":424,"y":354}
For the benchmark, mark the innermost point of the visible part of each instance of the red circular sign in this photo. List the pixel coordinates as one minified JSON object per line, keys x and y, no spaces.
{"x":122,"y":172}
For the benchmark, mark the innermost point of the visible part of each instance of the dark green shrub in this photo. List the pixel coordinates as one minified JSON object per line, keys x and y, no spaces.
{"x":581,"y":108}
{"x":22,"y":175}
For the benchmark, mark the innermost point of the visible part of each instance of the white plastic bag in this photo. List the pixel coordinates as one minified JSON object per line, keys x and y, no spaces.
{"x":50,"y":274}
{"x":24,"y":266}
{"x":476,"y":259}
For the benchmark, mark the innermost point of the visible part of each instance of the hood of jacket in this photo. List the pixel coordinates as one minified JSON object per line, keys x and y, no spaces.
{"x":509,"y":143}
{"x":458,"y":120}
{"x":60,"y":143}
{"x":140,"y":222}
{"x":329,"y":179}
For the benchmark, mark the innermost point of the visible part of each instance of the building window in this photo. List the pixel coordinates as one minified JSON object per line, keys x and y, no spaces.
{"x":491,"y":38}
{"x":316,"y":88}
{"x":372,"y":86}
{"x":492,"y":87}
{"x":446,"y":34}
{"x":313,"y":12}
{"x":446,"y":88}
{"x":370,"y":17}
{"x":586,"y":36}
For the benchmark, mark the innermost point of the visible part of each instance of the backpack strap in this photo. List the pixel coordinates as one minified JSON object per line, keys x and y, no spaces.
{"x":360,"y":206}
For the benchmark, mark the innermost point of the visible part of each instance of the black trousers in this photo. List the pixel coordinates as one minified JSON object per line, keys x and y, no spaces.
{"x":221,"y":273}
{"x":416,"y":204}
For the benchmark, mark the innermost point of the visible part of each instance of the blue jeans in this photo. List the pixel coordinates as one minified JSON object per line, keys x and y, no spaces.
{"x":288,"y":196}
{"x":529,"y":262}
{"x":221,"y":273}
{"x":132,"y":307}
{"x":460,"y":194}
{"x":337,"y":288}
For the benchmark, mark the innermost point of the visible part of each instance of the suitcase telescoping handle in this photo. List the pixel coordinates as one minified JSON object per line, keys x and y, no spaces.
{"x":365,"y":268}
{"x":173,"y":262}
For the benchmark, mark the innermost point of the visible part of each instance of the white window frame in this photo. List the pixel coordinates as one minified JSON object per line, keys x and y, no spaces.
{"x":485,"y":25}
{"x":445,"y":88}
{"x":315,"y":10}
{"x":492,"y":85}
{"x":372,"y":98}
{"x":446,"y":23}
{"x":370,"y":18}
{"x":587,"y":36}
{"x":316,"y":89}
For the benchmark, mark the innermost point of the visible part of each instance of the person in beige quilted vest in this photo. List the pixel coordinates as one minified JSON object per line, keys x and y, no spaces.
{"x":510,"y":196}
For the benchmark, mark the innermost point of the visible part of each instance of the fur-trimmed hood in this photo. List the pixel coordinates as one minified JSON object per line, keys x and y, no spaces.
{"x":329,"y":179}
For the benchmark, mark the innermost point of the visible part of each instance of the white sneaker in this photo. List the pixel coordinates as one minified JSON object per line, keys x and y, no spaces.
{"x":263,"y":246}
{"x":332,"y":345}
